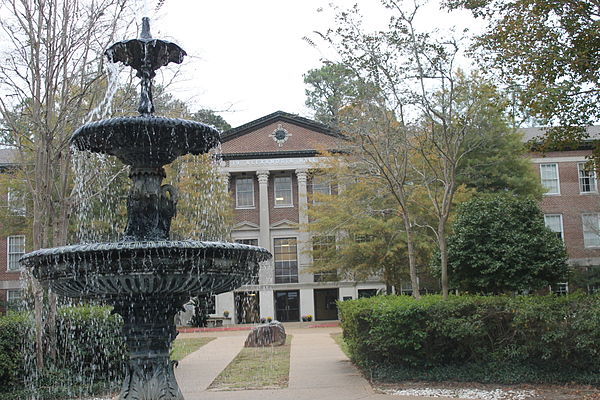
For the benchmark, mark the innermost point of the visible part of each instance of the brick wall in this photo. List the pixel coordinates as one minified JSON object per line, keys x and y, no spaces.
{"x":570,"y":203}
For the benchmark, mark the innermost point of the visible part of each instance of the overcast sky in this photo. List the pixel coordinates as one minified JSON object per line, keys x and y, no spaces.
{"x":248,"y":57}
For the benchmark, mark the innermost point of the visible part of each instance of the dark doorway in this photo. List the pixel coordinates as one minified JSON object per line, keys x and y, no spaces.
{"x":325,"y":306}
{"x":287,"y":305}
{"x":247,"y":307}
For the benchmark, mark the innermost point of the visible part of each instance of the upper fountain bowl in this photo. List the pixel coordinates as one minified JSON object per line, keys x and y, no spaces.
{"x":146,"y":141}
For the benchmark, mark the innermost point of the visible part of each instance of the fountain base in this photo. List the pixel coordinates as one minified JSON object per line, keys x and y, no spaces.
{"x":149,"y":330}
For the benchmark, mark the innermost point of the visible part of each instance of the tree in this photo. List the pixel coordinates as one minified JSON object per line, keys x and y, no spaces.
{"x":51,"y":67}
{"x":548,"y":52}
{"x":358,"y":230}
{"x":331,"y":88}
{"x":211,"y":118}
{"x":501,"y":244}
{"x":440,"y":111}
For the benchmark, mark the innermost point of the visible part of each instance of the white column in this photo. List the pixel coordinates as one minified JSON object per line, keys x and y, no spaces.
{"x":263,"y":208}
{"x":304,"y":259}
{"x":267,"y":270}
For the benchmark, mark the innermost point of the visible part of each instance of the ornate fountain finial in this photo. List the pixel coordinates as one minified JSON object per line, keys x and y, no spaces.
{"x":145,"y":55}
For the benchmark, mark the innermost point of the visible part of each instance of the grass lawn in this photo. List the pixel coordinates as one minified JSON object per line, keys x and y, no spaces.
{"x":256,"y":368}
{"x":339,"y":339}
{"x":183,"y":347}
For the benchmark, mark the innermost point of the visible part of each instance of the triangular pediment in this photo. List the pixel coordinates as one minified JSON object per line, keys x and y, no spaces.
{"x":279,"y":134}
{"x":246,"y":226}
{"x":284,"y":224}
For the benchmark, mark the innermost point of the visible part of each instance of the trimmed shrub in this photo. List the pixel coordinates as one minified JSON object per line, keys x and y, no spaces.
{"x":90,"y":354}
{"x":484,"y":338}
{"x":14,"y":330}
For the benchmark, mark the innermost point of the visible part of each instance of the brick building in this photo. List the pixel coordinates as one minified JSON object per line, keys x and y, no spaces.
{"x":12,"y":247}
{"x":571,"y":205}
{"x":267,"y":163}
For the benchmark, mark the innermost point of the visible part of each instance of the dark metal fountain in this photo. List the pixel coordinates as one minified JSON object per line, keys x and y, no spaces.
{"x":146,"y":276}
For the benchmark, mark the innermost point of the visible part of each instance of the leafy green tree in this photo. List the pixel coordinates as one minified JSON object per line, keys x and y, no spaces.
{"x":548,"y":51}
{"x":330,"y":88}
{"x":359,"y":231}
{"x":211,"y":118}
{"x":501,"y":244}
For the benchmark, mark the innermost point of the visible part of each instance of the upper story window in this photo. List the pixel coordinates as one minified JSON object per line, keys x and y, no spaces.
{"x":550,"y":181}
{"x":554,"y":222}
{"x":244,"y":192}
{"x":283,"y":191}
{"x":16,"y":249}
{"x":591,"y":230}
{"x":320,"y":185}
{"x":587,"y":179}
{"x":16,"y":202}
{"x":285,"y":256}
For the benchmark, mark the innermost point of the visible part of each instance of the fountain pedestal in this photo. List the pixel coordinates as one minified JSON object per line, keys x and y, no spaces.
{"x":149,"y":330}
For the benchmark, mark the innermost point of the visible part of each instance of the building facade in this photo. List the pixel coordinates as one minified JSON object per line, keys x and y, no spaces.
{"x":12,"y":246}
{"x":267,"y":164}
{"x":571,"y":207}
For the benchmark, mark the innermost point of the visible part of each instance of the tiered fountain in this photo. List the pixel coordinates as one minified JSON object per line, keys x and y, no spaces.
{"x":146,"y":276}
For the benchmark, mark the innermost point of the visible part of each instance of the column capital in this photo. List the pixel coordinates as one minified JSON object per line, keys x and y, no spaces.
{"x":301,"y":174}
{"x":263,"y":176}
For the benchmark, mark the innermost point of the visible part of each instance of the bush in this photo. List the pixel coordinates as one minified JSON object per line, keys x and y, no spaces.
{"x":90,"y":342}
{"x":14,"y":329}
{"x":490,"y":339}
{"x":90,"y":354}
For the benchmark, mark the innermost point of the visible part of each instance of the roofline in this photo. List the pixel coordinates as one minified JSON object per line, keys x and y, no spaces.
{"x":278,"y":115}
{"x":272,"y":154}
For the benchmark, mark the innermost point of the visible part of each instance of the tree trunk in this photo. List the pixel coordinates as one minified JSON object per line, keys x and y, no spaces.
{"x":444,"y":259}
{"x":412,"y":259}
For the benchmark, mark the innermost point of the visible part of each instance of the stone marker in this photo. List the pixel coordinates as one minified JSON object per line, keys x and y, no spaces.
{"x":271,"y":334}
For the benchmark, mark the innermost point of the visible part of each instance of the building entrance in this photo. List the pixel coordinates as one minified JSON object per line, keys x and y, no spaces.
{"x":247,"y":307}
{"x":325,"y":306}
{"x":287,"y":305}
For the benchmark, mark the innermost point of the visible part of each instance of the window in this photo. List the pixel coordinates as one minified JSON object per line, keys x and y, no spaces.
{"x":587,"y":179}
{"x":13,"y":300}
{"x":321,"y":186}
{"x":285,"y":255}
{"x":560,"y":289}
{"x":550,"y":181}
{"x":554,"y":222}
{"x":363,"y":238}
{"x":591,"y":230}
{"x":283,"y":191}
{"x":16,"y":202}
{"x":244,"y":193}
{"x":16,"y":249}
{"x":322,"y":247}
{"x":251,"y":242}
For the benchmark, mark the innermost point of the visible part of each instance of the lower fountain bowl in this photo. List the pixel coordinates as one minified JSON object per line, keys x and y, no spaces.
{"x":129,"y":269}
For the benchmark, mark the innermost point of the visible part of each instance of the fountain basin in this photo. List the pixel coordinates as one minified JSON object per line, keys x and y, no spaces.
{"x":139,"y":269}
{"x":146,"y":141}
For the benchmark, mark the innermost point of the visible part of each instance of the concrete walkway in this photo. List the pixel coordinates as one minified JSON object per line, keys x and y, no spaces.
{"x":318,"y":370}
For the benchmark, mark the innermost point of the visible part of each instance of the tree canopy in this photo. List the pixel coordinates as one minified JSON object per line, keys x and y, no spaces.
{"x":501,"y":244}
{"x":548,"y":53}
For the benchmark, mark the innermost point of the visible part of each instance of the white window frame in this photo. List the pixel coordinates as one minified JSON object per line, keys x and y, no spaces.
{"x":557,"y":193}
{"x":595,"y":231}
{"x":9,"y":253}
{"x":277,"y":203}
{"x":237,"y":191}
{"x":560,"y":218}
{"x":592,"y":176}
{"x":293,"y":278}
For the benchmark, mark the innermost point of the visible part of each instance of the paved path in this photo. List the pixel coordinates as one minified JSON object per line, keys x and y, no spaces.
{"x":318,"y":370}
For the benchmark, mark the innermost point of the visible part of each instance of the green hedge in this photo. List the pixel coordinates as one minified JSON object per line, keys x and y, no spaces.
{"x":483,"y":338}
{"x":14,"y":330}
{"x":90,"y":354}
